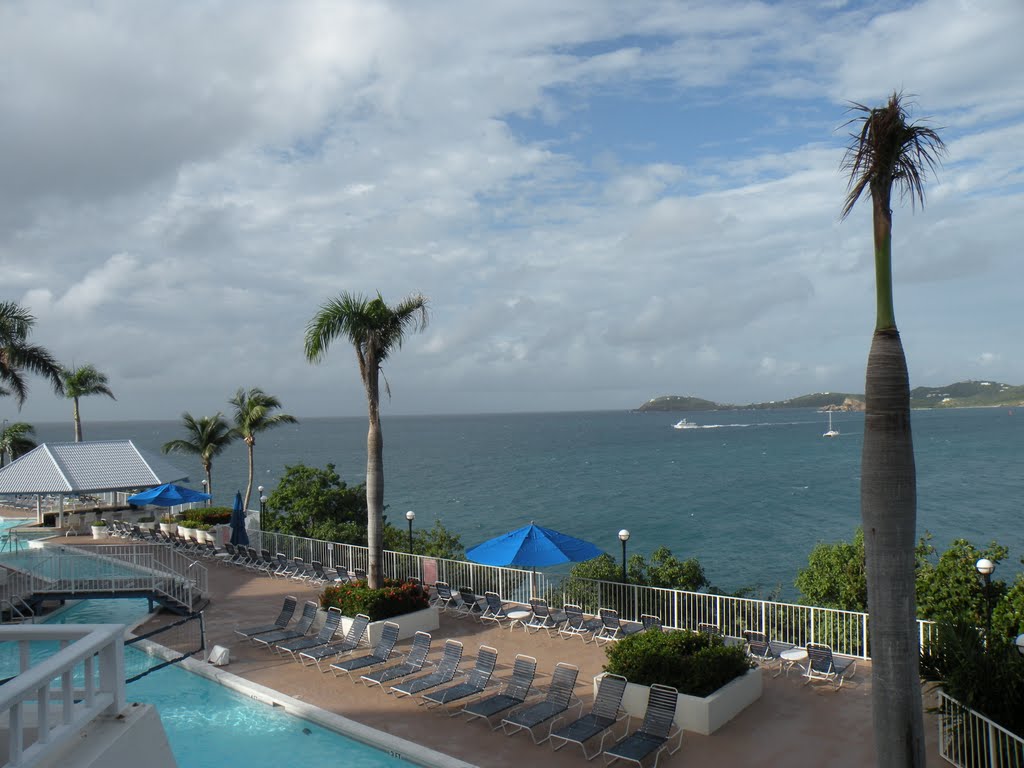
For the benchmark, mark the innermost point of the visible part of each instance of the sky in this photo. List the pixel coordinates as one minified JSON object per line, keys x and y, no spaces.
{"x":604,"y":202}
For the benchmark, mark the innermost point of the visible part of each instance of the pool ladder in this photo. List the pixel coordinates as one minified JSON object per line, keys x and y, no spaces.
{"x":15,"y":614}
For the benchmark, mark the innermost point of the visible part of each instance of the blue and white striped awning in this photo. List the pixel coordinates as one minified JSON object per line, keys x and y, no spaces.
{"x":87,"y":467}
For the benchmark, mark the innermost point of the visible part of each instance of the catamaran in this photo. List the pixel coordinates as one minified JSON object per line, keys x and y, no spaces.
{"x":831,"y":432}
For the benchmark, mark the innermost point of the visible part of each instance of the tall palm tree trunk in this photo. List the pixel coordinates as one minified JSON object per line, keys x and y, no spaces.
{"x":374,"y":482}
{"x":78,"y":423}
{"x":248,"y":486}
{"x":888,"y":494}
{"x":208,"y":469}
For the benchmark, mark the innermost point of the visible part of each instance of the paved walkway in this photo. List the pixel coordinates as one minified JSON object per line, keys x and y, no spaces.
{"x":792,"y":724}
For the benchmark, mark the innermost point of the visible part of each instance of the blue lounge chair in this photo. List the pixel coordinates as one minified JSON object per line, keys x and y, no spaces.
{"x":444,"y":598}
{"x":413,"y":663}
{"x":512,"y":695}
{"x":381,"y":653}
{"x":823,"y":665}
{"x":445,"y":671}
{"x":300,"y":629}
{"x":353,"y":638}
{"x":474,"y":684}
{"x":611,"y":626}
{"x":326,"y":634}
{"x":469,"y":604}
{"x":650,"y":622}
{"x":654,"y":734}
{"x":603,"y":715}
{"x":283,"y":620}
{"x":542,"y":617}
{"x":494,"y":609}
{"x":550,"y":710}
{"x":577,"y":624}
{"x":762,"y":650}
{"x":710,"y":629}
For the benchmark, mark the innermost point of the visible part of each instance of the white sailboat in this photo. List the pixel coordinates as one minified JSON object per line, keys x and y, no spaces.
{"x":831,"y":432}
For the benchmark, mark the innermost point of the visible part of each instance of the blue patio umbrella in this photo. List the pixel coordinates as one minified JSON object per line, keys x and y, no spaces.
{"x":239,"y":537}
{"x":168,"y":495}
{"x":533,"y":546}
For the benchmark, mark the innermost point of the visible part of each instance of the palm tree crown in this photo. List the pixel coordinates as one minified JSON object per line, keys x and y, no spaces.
{"x":375,"y":330}
{"x":15,"y":439}
{"x":18,"y":356}
{"x":83,"y":381}
{"x":208,"y":436}
{"x":254,"y":413}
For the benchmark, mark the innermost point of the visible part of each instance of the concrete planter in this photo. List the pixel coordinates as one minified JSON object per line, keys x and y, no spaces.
{"x":99,"y":531}
{"x":409,"y":624}
{"x":169,"y":528}
{"x":700,"y":715}
{"x":146,"y":526}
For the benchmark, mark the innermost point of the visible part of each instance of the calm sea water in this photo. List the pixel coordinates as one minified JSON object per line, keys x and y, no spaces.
{"x":749,"y":493}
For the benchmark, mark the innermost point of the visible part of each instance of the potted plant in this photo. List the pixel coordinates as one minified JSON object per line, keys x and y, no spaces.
{"x":147,"y":522}
{"x":99,"y":529}
{"x":168,"y":524}
{"x":186,"y":527}
{"x":202,"y":532}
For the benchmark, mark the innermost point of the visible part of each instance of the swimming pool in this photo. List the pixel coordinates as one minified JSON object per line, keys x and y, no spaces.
{"x":210,"y":726}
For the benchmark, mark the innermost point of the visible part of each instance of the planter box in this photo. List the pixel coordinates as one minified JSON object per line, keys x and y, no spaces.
{"x":169,"y":528}
{"x":409,"y":624}
{"x":147,"y":526}
{"x":700,"y":715}
{"x":99,"y":531}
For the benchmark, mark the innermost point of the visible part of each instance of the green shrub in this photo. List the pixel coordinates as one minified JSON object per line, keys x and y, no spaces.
{"x":211,"y":515}
{"x":695,"y":664}
{"x":393,"y":599}
{"x":146,"y":519}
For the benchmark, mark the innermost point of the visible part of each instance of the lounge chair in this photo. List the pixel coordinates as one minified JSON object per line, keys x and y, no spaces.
{"x":300,"y":629}
{"x":653,"y":736}
{"x":284,"y":568}
{"x":413,"y":663}
{"x":710,"y":629}
{"x":283,"y":619}
{"x":512,"y":695}
{"x":326,"y":634}
{"x":550,"y":710}
{"x":354,"y":636}
{"x":823,"y":665}
{"x":380,"y":654}
{"x":577,"y":624}
{"x":444,"y":598}
{"x":469,"y":603}
{"x":605,"y":713}
{"x":359,"y":574}
{"x":542,"y":617}
{"x":476,"y":682}
{"x":611,"y":626}
{"x":494,"y":609}
{"x":761,"y":650}
{"x":651,"y":623}
{"x":445,"y":671}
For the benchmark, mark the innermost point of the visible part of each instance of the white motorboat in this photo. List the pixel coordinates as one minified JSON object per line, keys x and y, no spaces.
{"x":831,"y":432}
{"x":684,"y":424}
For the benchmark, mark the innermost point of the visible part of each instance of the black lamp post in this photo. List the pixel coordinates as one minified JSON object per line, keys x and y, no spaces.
{"x":263,"y":499}
{"x":410,"y":516}
{"x":624,"y":537}
{"x":985,"y":568}
{"x":207,"y":502}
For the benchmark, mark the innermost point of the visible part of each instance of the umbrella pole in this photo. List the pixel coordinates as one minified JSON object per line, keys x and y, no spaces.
{"x":533,"y":582}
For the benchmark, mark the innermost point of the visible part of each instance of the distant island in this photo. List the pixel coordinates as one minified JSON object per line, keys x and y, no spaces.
{"x":963,"y":394}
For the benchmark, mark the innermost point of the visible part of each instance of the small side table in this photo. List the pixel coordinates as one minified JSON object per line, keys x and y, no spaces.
{"x":792,"y":658}
{"x":518,"y":617}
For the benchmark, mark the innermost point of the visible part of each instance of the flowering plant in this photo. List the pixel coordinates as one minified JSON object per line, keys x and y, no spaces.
{"x":393,"y":599}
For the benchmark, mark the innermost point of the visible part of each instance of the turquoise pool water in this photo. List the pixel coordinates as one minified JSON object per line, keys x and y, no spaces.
{"x":65,"y":563}
{"x":210,"y":726}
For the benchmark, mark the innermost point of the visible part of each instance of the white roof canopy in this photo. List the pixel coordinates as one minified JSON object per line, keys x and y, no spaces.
{"x":87,"y":467}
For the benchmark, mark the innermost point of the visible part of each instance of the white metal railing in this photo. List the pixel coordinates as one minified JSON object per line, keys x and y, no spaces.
{"x":114,"y":568}
{"x":49,"y":701}
{"x":845,"y":631}
{"x":968,"y":739}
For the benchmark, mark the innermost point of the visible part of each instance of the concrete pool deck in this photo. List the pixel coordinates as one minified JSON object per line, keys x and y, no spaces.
{"x":792,"y":724}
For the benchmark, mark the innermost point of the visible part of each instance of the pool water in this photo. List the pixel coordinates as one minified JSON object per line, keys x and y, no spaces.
{"x":210,"y":726}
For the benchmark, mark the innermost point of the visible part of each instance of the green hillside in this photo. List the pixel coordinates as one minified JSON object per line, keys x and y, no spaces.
{"x":963,"y":394}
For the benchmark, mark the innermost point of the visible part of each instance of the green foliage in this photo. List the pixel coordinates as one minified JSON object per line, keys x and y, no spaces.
{"x":666,"y":570}
{"x":951,"y":587}
{"x":835,"y":575}
{"x":211,"y":515}
{"x":989,"y":680}
{"x":395,"y":598}
{"x":693,"y":663}
{"x":318,"y":504}
{"x":1008,"y":613}
{"x":436,"y":541}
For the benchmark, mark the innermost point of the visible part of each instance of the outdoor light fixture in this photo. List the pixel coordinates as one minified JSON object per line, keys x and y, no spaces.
{"x":263,"y":504}
{"x":410,"y":516}
{"x":1019,"y":642}
{"x":624,"y":537}
{"x":985,"y":568}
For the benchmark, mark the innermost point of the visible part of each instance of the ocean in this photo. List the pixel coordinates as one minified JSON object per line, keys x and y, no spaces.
{"x":748,"y":493}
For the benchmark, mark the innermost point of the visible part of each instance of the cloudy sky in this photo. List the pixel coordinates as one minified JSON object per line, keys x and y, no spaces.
{"x":603,"y":201}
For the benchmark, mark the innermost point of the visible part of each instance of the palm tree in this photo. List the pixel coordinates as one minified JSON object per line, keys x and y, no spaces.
{"x":889,"y":150}
{"x":254,"y":412}
{"x":15,"y":439}
{"x":375,"y":330}
{"x":80,"y":382}
{"x":18,"y":356}
{"x":208,"y":436}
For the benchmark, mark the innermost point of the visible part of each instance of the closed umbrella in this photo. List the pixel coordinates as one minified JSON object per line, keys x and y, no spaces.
{"x":239,"y":537}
